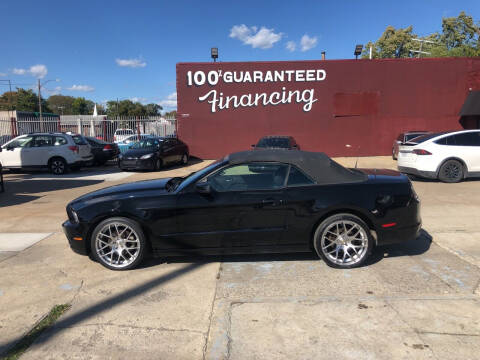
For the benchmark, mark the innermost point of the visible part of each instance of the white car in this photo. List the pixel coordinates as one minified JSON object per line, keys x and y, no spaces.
{"x":56,"y":151}
{"x":122,"y":134}
{"x":448,"y":156}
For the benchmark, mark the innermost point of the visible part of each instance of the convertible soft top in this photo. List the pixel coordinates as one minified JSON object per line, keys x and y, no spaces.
{"x":316,"y":164}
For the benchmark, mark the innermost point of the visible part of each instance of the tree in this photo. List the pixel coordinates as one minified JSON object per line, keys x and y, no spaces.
{"x":171,"y":114}
{"x":460,"y":36}
{"x":82,"y":106}
{"x":394,"y":43}
{"x":22,"y":100}
{"x":61,"y":104}
{"x":130,"y":108}
{"x":153,"y":109}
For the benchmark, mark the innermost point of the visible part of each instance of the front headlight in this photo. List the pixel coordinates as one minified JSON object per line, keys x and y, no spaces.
{"x":72,"y":215}
{"x":148,"y":156}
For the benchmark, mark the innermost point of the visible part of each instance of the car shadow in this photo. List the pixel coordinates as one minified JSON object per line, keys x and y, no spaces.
{"x":414,"y":247}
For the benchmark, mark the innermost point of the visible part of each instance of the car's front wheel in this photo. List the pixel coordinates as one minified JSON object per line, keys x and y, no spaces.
{"x":451,"y":171}
{"x":118,"y":243}
{"x":343,"y":241}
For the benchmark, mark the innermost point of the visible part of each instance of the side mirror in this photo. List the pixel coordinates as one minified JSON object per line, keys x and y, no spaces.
{"x":203,"y":188}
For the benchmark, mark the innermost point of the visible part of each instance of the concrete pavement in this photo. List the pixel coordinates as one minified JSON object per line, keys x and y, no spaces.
{"x":415,"y":301}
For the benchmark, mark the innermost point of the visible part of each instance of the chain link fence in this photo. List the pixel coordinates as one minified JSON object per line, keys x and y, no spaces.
{"x":100,"y":127}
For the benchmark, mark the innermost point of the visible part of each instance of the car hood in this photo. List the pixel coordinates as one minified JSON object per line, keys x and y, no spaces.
{"x":125,"y":190}
{"x":136,"y":153}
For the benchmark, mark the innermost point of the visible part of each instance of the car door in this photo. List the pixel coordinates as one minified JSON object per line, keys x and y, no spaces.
{"x":39,"y":152}
{"x":11,"y":156}
{"x":245,"y":210}
{"x":467,"y":148}
{"x":168,"y":151}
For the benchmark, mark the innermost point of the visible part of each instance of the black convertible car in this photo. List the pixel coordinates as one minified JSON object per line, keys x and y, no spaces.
{"x":248,"y":202}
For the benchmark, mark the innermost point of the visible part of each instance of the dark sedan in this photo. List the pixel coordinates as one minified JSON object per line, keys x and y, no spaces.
{"x":276,"y":142}
{"x":102,"y":151}
{"x":248,"y":202}
{"x":153,"y":153}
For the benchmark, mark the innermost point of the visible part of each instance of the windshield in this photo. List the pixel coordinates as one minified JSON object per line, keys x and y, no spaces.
{"x":426,"y":137}
{"x":195,"y":176}
{"x":273,"y":142}
{"x":146,"y":144}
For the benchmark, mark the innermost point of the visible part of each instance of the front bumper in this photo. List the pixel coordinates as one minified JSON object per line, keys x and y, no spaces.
{"x":137,"y":164}
{"x":416,"y":172}
{"x":75,"y":234}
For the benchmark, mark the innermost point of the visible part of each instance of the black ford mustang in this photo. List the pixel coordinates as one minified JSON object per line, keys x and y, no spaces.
{"x":252,"y":201}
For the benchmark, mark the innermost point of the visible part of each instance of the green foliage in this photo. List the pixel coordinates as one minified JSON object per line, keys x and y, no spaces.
{"x":61,"y":104}
{"x":130,"y":108}
{"x":82,"y":106}
{"x":22,"y":100}
{"x":459,"y":37}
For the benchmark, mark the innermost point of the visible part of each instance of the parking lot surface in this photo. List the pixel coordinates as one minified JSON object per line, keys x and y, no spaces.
{"x":418,"y":300}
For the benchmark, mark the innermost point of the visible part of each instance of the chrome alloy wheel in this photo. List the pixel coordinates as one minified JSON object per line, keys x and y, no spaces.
{"x":344,"y":242}
{"x":117,"y":245}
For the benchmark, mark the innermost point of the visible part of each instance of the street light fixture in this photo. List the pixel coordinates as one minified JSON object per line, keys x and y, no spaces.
{"x":358,"y":50}
{"x":214,"y":54}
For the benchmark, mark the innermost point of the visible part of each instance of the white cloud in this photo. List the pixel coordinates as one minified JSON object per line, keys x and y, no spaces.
{"x":291,"y":46}
{"x":170,"y":102}
{"x":3,"y":74}
{"x":19,"y":71}
{"x":263,"y":38}
{"x":139,"y":99}
{"x":51,"y":92}
{"x":134,"y":63}
{"x":38,"y":71}
{"x":307,"y":42}
{"x":87,"y":88}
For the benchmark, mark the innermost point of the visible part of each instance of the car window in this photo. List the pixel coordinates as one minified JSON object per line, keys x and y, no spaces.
{"x":146,"y":144}
{"x":250,"y":176}
{"x":298,"y":178}
{"x":411,"y":136}
{"x":447,"y":140}
{"x":468,"y":139}
{"x":78,"y":140}
{"x":59,"y":140}
{"x":273,"y":142}
{"x":42,"y":141}
{"x":23,"y":142}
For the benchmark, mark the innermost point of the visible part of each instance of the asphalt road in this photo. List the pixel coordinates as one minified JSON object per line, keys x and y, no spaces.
{"x":418,"y":300}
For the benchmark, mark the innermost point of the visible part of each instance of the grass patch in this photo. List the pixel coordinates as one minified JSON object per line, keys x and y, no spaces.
{"x":20,"y":347}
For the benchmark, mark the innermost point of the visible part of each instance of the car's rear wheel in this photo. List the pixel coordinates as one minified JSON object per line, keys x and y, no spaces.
{"x":57,"y":166}
{"x":451,"y":171}
{"x":118,"y":243}
{"x":343,"y":241}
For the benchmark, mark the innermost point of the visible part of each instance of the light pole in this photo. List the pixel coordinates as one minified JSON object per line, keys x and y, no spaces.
{"x":40,"y":99}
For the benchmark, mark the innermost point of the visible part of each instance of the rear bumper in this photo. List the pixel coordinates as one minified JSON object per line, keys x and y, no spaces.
{"x":416,"y":172}
{"x":399,"y":235}
{"x":75,"y":234}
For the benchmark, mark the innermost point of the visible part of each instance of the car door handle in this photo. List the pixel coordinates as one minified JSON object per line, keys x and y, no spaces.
{"x":272,"y":202}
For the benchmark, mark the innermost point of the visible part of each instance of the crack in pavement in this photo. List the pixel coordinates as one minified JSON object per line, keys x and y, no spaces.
{"x":210,"y":317}
{"x":123,"y":326}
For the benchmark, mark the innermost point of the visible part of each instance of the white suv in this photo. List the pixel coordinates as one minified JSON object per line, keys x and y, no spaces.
{"x":122,"y":134}
{"x":449,"y":156}
{"x":57,"y":151}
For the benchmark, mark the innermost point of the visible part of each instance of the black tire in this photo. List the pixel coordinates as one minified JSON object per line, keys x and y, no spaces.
{"x":184,"y":159}
{"x":363,"y":240}
{"x":393,"y":154}
{"x":58,"y":166}
{"x":451,"y":171}
{"x":118,"y":223}
{"x":158,"y":164}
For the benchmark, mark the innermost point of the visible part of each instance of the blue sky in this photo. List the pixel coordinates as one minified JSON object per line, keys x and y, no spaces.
{"x":105,"y":50}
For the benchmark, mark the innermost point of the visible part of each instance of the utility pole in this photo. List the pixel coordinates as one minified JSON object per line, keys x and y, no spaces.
{"x":40,"y":106}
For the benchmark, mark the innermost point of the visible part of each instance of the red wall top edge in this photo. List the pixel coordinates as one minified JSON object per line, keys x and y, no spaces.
{"x":361,"y":103}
